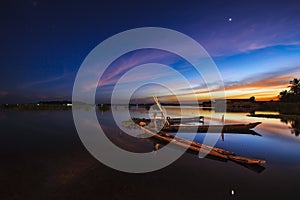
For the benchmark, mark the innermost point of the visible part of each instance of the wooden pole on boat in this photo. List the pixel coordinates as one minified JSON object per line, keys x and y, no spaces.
{"x":154,"y":120}
{"x":222,"y":133}
{"x":161,"y":110}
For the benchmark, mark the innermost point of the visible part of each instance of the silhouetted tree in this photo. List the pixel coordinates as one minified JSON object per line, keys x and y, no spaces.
{"x":252,"y":99}
{"x":295,"y":86}
{"x":293,"y":94}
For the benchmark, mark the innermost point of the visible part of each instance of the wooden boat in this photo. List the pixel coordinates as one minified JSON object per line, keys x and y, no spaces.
{"x":226,"y":128}
{"x":198,"y":148}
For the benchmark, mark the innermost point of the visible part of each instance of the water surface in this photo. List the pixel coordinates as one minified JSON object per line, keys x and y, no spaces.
{"x":42,"y":157}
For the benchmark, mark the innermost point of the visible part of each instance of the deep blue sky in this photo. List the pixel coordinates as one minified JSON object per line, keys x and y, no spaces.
{"x":43,"y":43}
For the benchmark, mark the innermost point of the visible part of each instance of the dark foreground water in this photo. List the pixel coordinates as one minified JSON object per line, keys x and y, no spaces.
{"x":42,"y":157}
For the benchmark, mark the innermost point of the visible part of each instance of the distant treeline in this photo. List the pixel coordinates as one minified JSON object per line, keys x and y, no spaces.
{"x":252,"y":106}
{"x":21,"y":107}
{"x":41,"y":105}
{"x":65,"y":102}
{"x":52,"y":105}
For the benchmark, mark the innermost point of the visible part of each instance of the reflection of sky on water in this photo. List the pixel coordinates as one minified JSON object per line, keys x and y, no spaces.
{"x":268,"y":125}
{"x":277,"y":144}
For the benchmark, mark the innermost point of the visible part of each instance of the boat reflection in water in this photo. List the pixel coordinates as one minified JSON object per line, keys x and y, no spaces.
{"x":158,"y":143}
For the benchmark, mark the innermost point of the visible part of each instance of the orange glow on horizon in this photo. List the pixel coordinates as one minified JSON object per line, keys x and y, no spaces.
{"x":263,"y":90}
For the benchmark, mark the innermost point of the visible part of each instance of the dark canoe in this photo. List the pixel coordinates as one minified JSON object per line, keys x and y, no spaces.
{"x":227,"y":128}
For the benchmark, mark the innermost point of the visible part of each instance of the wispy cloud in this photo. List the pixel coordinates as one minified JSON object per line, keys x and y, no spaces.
{"x":122,"y":65}
{"x":128,"y":62}
{"x":125,"y":64}
{"x":242,"y":36}
{"x":45,"y":81}
{"x":264,"y":86}
{"x":267,"y":82}
{"x":239,"y":45}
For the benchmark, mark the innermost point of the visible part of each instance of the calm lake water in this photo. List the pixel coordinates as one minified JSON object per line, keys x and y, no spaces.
{"x":42,"y":157}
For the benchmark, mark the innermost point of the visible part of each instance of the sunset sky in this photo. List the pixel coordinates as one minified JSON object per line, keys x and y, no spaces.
{"x":255,"y":45}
